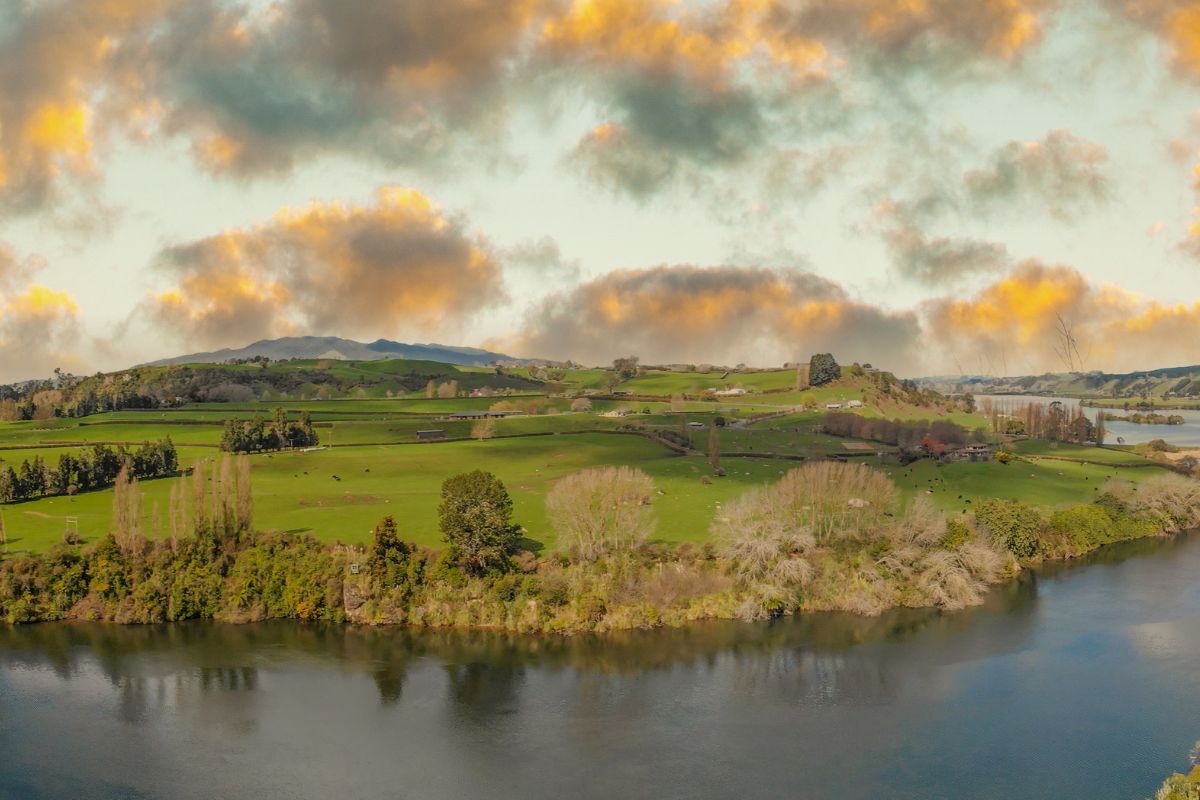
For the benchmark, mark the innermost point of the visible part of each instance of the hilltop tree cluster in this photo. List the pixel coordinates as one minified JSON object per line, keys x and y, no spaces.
{"x":259,"y":434}
{"x":94,"y":468}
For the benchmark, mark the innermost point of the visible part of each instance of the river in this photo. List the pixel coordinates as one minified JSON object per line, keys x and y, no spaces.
{"x":1077,"y":682}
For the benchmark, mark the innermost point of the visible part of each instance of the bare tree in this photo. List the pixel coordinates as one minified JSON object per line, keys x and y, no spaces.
{"x":484,"y":428}
{"x":1066,"y":345}
{"x":597,"y":512}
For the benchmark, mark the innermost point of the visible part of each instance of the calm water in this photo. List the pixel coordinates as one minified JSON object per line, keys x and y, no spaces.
{"x":1185,"y":435}
{"x":1078,"y":683}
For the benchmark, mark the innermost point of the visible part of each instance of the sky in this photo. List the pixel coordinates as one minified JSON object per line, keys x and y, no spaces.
{"x":933,"y":186}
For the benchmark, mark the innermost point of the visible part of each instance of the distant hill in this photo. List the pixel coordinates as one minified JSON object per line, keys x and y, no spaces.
{"x":308,"y":347}
{"x":1178,"y":384}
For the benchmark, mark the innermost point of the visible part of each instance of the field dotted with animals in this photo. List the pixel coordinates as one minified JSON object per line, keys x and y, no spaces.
{"x":387,"y":433}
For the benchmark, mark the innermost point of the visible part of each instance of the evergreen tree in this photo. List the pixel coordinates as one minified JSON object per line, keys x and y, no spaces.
{"x":475,"y":517}
{"x":823,"y":369}
{"x":389,"y":555}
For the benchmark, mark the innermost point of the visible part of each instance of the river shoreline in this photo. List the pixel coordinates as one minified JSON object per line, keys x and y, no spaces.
{"x":477,"y":614}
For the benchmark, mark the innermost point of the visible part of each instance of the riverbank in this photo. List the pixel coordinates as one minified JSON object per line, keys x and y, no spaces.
{"x":766,"y":560}
{"x":822,"y":705}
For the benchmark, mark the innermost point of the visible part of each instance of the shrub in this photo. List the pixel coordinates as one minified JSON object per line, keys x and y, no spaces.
{"x":957,"y":534}
{"x":1172,"y":501}
{"x":1015,"y":525}
{"x":1081,"y":528}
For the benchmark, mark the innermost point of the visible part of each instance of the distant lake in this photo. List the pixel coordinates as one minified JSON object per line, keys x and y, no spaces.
{"x":1185,"y":435}
{"x":1078,"y":683}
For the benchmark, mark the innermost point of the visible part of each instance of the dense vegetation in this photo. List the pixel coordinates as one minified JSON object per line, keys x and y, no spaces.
{"x":827,"y":535}
{"x":1148,"y":418}
{"x":259,"y":434}
{"x":96,"y":467}
{"x":910,"y":434}
{"x":171,"y":386}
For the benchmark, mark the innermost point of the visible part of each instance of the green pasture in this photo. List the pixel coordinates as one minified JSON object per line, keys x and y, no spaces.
{"x":338,"y":494}
{"x":661,"y":382}
{"x":380,"y":467}
{"x":1040,"y":482}
{"x":1075,"y":452}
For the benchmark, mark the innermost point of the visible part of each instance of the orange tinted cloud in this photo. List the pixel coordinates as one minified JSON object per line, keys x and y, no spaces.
{"x":706,"y":44}
{"x":715,"y":314}
{"x":1014,"y":321}
{"x":39,"y":326}
{"x":1176,"y":21}
{"x":55,"y":61}
{"x":999,"y":28}
{"x":396,"y":265}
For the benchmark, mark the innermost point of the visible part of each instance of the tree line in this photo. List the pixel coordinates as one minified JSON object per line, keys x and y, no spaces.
{"x":258,"y":434}
{"x":94,"y":468}
{"x":905,"y":434}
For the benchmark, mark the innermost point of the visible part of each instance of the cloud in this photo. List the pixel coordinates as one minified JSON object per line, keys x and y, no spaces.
{"x":998,"y":28}
{"x":723,"y":314}
{"x":1013,"y":321}
{"x":1061,"y":174}
{"x":255,"y":90}
{"x":1061,"y":171}
{"x":56,"y":58}
{"x":685,"y":89}
{"x":1177,"y":22}
{"x":39,"y":326}
{"x":397,"y":265}
{"x":543,"y":258}
{"x":935,"y":260}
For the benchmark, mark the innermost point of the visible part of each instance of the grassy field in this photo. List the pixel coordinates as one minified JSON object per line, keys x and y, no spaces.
{"x":1041,"y":482}
{"x":375,"y":465}
{"x":340,"y":493}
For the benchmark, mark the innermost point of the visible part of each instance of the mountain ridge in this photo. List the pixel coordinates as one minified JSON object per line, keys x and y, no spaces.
{"x":305,"y":347}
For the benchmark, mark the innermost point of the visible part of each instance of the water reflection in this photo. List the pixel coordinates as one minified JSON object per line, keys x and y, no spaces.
{"x":1064,"y":673}
{"x":813,"y":654}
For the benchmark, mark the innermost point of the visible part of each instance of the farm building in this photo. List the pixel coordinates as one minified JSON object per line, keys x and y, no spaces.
{"x":974,"y":452}
{"x":474,"y":415}
{"x":431,"y":435}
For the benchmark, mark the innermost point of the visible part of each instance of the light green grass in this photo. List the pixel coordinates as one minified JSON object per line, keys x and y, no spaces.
{"x":659,"y":382}
{"x":298,"y":491}
{"x":1040,"y":482}
{"x":1064,"y":450}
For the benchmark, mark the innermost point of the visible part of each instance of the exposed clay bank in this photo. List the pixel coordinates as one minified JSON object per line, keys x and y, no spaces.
{"x":1076,"y":681}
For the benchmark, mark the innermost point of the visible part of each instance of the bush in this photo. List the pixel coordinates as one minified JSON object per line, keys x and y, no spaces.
{"x":1013,"y":524}
{"x":1081,"y":528}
